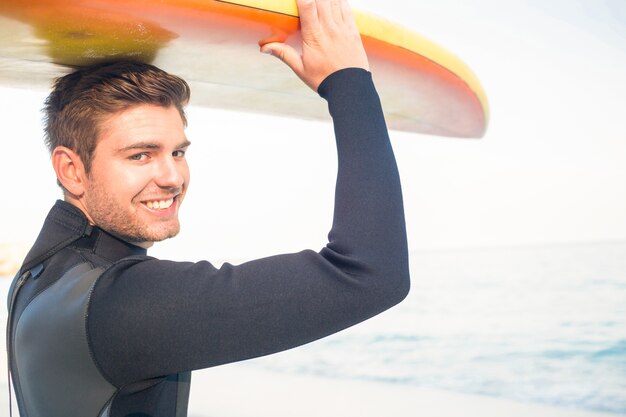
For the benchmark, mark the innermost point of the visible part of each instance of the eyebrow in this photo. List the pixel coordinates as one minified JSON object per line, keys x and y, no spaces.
{"x":150,"y":145}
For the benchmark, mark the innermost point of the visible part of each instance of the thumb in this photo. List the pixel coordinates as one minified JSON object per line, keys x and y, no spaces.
{"x":285,"y":53}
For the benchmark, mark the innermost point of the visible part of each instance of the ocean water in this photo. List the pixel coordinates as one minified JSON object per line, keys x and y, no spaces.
{"x":541,"y":325}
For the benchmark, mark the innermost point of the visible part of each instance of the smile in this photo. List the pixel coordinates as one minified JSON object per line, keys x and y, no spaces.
{"x":159,"y":204}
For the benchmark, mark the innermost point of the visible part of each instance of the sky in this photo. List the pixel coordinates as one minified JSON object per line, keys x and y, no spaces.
{"x":550,"y":169}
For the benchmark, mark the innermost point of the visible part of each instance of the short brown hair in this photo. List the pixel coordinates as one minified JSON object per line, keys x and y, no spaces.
{"x":83,"y":99}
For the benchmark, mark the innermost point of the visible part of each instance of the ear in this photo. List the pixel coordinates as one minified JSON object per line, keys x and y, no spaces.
{"x":70,"y":170}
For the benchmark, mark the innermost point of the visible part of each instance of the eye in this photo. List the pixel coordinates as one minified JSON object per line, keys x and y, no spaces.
{"x":138,"y":157}
{"x":179,"y":153}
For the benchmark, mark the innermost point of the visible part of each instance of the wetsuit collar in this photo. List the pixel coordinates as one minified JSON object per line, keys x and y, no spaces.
{"x":66,"y":224}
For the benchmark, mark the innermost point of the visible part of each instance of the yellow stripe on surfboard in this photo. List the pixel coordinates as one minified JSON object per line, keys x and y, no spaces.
{"x":391,"y":33}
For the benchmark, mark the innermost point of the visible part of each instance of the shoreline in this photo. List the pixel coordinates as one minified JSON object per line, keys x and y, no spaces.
{"x":240,"y":390}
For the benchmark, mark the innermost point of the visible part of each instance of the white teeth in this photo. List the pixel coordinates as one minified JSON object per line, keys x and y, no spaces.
{"x":160,"y":204}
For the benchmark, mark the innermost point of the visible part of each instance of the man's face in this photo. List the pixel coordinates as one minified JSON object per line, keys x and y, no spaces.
{"x":139,"y":174}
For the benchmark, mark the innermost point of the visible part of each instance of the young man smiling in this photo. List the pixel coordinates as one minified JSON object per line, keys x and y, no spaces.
{"x":98,"y":328}
{"x":138,"y":174}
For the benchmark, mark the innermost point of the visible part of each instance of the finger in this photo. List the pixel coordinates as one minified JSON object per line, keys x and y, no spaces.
{"x":285,"y":53}
{"x":347,"y":15}
{"x":329,"y":12}
{"x":335,"y":8}
{"x":309,"y":19}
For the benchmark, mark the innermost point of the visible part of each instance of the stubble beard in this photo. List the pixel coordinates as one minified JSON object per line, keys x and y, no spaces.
{"x":115,"y":219}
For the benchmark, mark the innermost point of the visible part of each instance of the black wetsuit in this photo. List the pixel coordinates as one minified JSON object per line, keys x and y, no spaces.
{"x":101,"y":329}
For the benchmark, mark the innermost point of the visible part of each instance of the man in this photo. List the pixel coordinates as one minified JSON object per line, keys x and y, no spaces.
{"x":98,"y":328}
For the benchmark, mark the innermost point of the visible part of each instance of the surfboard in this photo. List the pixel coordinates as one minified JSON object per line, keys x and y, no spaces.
{"x":213,"y":44}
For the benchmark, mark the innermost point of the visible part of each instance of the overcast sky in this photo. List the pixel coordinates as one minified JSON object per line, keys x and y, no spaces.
{"x":551,"y":168}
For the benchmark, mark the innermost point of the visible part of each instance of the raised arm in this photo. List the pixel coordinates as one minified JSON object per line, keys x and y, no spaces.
{"x":173,"y":316}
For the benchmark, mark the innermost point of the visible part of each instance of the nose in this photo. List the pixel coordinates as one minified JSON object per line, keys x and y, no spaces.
{"x":171,"y":172}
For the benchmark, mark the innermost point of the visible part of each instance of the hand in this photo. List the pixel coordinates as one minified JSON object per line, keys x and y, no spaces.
{"x":330,"y":42}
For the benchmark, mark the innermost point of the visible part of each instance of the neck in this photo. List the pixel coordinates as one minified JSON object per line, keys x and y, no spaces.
{"x":79,"y":204}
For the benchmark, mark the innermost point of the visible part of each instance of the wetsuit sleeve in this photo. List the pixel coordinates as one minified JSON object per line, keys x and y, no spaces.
{"x":151,"y":318}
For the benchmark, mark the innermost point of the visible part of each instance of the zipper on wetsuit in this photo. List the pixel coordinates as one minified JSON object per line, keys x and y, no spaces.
{"x":18,"y":285}
{"x":34,"y":272}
